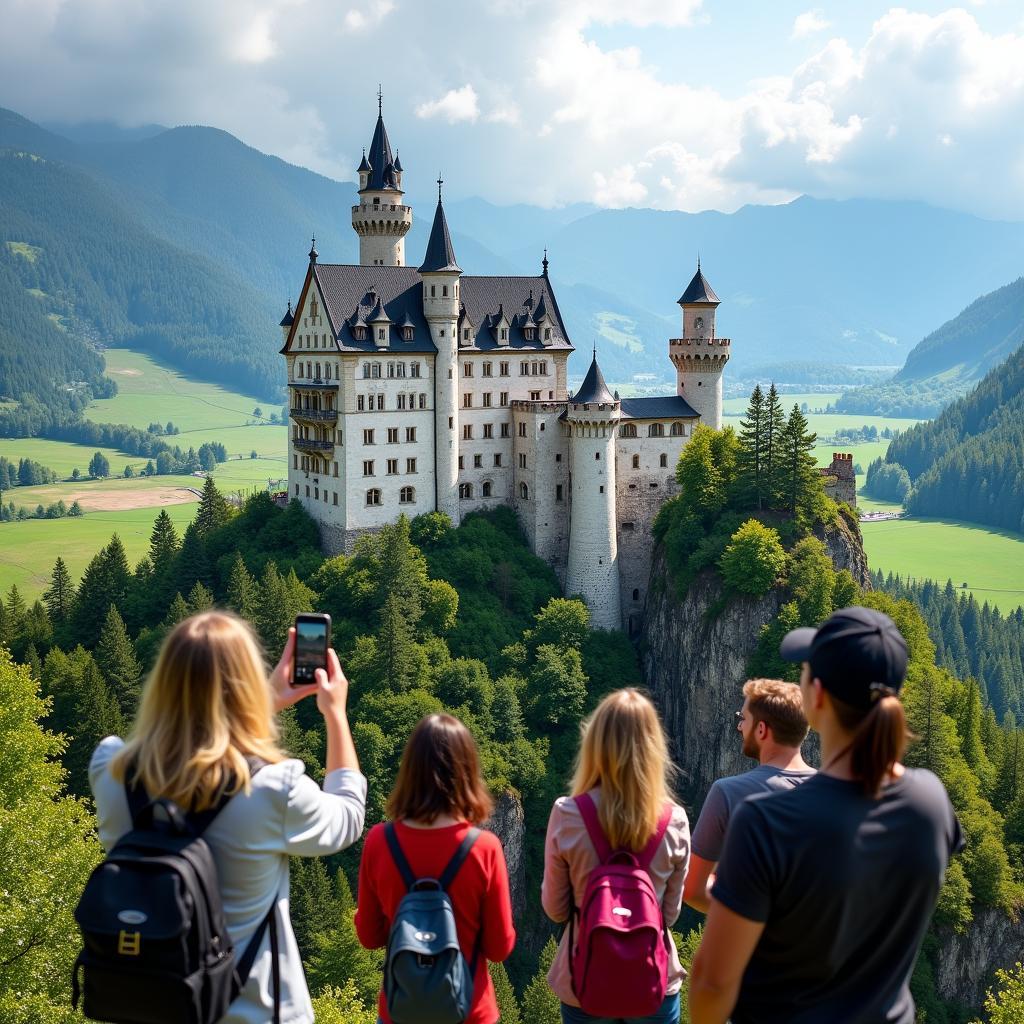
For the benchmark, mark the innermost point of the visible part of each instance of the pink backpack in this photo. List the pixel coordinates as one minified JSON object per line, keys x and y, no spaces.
{"x":618,"y":961}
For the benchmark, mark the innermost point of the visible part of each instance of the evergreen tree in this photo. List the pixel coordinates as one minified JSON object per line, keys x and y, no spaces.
{"x":752,"y":450}
{"x":60,"y":595}
{"x":106,"y":582}
{"x":396,"y":646}
{"x":311,"y":901}
{"x":541,"y":1005}
{"x":193,"y":562}
{"x":775,"y":425}
{"x":163,"y":546}
{"x":15,"y":610}
{"x":33,"y":661}
{"x":214,"y":510}
{"x":199,"y":599}
{"x":798,"y":478}
{"x":116,"y":659}
{"x":242,"y":595}
{"x":38,"y":631}
{"x":177,"y":611}
{"x":504,"y":994}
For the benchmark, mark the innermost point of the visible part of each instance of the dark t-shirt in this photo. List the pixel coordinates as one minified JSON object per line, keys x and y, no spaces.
{"x":846,"y":886}
{"x":727,"y":794}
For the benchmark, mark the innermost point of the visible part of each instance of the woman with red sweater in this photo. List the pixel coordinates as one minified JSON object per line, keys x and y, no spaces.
{"x":439,"y":797}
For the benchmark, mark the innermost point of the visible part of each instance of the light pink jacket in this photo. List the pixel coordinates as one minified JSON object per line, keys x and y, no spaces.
{"x":569,"y":857}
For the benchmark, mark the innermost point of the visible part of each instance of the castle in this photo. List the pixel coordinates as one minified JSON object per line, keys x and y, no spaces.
{"x":414,"y":389}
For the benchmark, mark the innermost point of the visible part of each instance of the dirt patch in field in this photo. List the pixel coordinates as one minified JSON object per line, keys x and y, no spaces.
{"x":128,"y":497}
{"x":128,"y":372}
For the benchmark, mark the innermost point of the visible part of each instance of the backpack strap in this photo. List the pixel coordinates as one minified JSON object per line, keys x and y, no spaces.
{"x":244,"y":966}
{"x":398,"y":857}
{"x":646,"y":855}
{"x":452,"y":869}
{"x":588,"y":811}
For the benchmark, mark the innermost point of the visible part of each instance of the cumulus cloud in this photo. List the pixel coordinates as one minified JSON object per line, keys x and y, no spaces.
{"x":454,"y":106}
{"x":357,"y":19}
{"x":809,"y":23}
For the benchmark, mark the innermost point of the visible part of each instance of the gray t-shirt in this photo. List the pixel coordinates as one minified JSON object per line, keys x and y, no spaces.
{"x":727,"y":794}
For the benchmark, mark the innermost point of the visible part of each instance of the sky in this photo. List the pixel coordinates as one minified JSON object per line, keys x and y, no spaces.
{"x":673,"y":104}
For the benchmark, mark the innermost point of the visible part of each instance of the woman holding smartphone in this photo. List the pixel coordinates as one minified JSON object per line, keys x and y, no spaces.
{"x":438,"y":800}
{"x":205,"y":729}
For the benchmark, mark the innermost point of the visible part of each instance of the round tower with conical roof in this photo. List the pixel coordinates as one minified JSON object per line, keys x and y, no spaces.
{"x":441,"y":274}
{"x":380,"y":219}
{"x":592,"y":571}
{"x":699,"y":356}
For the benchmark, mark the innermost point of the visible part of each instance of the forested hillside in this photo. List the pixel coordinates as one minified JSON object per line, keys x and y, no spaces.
{"x":969,"y":462}
{"x":942,"y":366}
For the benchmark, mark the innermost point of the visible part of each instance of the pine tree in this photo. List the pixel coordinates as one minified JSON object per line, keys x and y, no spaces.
{"x":60,"y":594}
{"x":504,"y":994}
{"x":775,"y":425}
{"x":38,"y":628}
{"x":199,"y":599}
{"x":241,"y":589}
{"x":97,"y":714}
{"x":163,"y":546}
{"x":193,"y":562}
{"x":116,"y":659}
{"x":214,"y":510}
{"x":15,"y":609}
{"x":751,"y":455}
{"x":396,"y":646}
{"x":541,"y":1005}
{"x":798,"y":478}
{"x":177,"y":611}
{"x":106,"y":582}
{"x":33,"y":661}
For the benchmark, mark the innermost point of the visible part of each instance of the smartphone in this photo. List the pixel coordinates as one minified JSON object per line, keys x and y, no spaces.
{"x":312,"y":638}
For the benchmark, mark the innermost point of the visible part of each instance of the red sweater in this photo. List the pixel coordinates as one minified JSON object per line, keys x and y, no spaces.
{"x":479,"y":896}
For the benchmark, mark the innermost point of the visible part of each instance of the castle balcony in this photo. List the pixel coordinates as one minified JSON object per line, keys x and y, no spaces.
{"x":314,"y":415}
{"x":312,"y":445}
{"x":314,"y":385}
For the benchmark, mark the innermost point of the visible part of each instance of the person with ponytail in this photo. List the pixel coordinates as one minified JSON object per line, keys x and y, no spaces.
{"x":824,"y":892}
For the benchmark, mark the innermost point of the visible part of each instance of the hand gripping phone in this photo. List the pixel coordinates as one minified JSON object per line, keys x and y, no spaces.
{"x":312,"y":638}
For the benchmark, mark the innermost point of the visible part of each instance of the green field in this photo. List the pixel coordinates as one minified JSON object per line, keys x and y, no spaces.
{"x":151,"y":393}
{"x":28,"y":549}
{"x":815,"y":400}
{"x":990,"y":562}
{"x":63,"y":456}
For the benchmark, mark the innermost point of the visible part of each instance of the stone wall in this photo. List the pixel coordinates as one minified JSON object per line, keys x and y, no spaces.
{"x":839,"y":479}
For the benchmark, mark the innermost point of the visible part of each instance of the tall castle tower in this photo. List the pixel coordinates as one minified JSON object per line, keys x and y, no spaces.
{"x":441,"y":275}
{"x":593,"y":567}
{"x":381,"y":220}
{"x":698,"y":356}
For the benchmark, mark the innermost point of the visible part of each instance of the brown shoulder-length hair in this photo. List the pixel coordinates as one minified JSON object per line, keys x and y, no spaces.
{"x":878,"y":739}
{"x":440,"y":774}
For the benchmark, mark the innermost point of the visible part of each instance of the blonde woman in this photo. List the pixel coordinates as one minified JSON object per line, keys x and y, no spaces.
{"x":205,"y":721}
{"x":622,"y":775}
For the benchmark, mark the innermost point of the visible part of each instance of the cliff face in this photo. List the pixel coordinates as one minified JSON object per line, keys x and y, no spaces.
{"x":508,"y":823}
{"x":965,"y":964}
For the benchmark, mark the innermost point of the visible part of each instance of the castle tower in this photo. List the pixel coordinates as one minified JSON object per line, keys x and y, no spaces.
{"x":593,"y":567}
{"x":698,"y":356}
{"x":381,"y":220}
{"x":441,"y":275}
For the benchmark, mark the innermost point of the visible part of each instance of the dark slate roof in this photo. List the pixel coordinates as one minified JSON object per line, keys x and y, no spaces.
{"x":381,"y":159}
{"x":379,"y":316}
{"x":671,"y":407}
{"x":398,"y":163}
{"x":350,"y":294}
{"x":698,"y":290}
{"x":288,"y":319}
{"x":593,"y":390}
{"x":364,"y":164}
{"x":440,"y":255}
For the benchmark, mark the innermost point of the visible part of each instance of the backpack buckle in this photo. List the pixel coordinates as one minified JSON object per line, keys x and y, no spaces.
{"x":129,"y":943}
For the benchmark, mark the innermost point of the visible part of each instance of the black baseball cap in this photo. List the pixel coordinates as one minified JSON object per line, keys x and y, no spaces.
{"x":857,"y":653}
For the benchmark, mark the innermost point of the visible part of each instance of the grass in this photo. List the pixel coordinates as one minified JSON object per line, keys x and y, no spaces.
{"x":28,"y":549}
{"x":63,"y":456}
{"x":151,"y":393}
{"x":25,"y":251}
{"x":989,"y":561}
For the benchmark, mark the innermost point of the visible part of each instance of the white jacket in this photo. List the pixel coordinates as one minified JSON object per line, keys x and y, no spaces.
{"x":285,"y":814}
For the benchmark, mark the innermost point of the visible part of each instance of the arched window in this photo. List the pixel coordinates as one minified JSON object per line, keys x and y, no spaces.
{"x":636,"y":595}
{"x":636,"y":461}
{"x":487,"y":488}
{"x":656,"y":430}
{"x":627,"y":430}
{"x":677,"y":429}
{"x":373,"y":496}
{"x":465,"y":490}
{"x":407,"y":495}
{"x":664,"y":461}
{"x":524,"y":491}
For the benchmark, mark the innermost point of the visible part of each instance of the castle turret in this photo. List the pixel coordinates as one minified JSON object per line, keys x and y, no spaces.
{"x":698,"y":356}
{"x":287,"y":320}
{"x":380,"y":219}
{"x":441,"y":274}
{"x":593,"y":568}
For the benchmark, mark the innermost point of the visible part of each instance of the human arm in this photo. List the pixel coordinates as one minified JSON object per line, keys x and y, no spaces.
{"x":498,"y":934}
{"x":726,"y":946}
{"x":556,"y":885}
{"x":372,"y":924}
{"x":678,"y":837}
{"x":697,"y":892}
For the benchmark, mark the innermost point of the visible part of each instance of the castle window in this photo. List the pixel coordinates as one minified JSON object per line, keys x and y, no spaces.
{"x":400,"y":370}
{"x":487,"y":486}
{"x":528,"y":333}
{"x":410,"y":434}
{"x":317,"y":371}
{"x":522,"y":430}
{"x":391,"y":369}
{"x":487,"y":369}
{"x":335,"y":497}
{"x":465,"y":491}
{"x":636,"y":461}
{"x":467,"y":431}
{"x":600,"y":489}
{"x":414,"y":369}
{"x":301,"y":374}
{"x":487,"y":400}
{"x":407,"y":495}
{"x":406,"y":334}
{"x":368,"y":467}
{"x":335,"y":468}
{"x":503,"y":398}
{"x":664,"y":461}
{"x":652,"y":485}
{"x":444,"y":290}
{"x":656,"y":430}
{"x":547,"y":333}
{"x":627,"y":430}
{"x":401,"y":402}
{"x":503,"y":369}
{"x":296,"y":490}
{"x":558,"y":456}
{"x":628,"y":528}
{"x":433,"y":291}
{"x":309,"y":369}
{"x":597,"y":458}
{"x":558,"y":492}
{"x":636,"y":592}
{"x":307,"y":490}
{"x":467,"y":369}
{"x":504,"y":334}
{"x":524,"y":369}
{"x":522,"y":460}
{"x":504,"y":430}
{"x":373,"y":496}
{"x":543,"y":367}
{"x":465,"y":334}
{"x":535,"y":368}
{"x":392,"y":434}
{"x":327,"y":371}
{"x":478,"y":462}
{"x":360,"y":402}
{"x":392,"y":467}
{"x":467,"y":400}
{"x":380,"y":402}
{"x":375,"y":370}
{"x":488,"y":431}
{"x":410,"y":465}
{"x":524,"y":491}
{"x":497,"y":459}
{"x":677,"y":429}
{"x":534,"y":396}
{"x":461,"y":462}
{"x":376,"y":200}
{"x":423,"y":401}
{"x":367,"y":437}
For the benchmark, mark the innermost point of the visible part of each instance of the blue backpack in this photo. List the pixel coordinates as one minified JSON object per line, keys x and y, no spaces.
{"x":426,"y":978}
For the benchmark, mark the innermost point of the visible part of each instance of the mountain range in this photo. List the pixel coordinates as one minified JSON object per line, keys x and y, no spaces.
{"x":813,"y":281}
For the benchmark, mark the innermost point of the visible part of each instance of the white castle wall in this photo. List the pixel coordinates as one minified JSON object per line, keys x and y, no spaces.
{"x":382,"y":228}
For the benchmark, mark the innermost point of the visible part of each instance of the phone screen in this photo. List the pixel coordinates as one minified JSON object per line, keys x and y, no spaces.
{"x":310,"y":648}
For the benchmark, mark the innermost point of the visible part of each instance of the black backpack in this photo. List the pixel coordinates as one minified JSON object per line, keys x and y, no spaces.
{"x":156,"y":946}
{"x":426,"y":977}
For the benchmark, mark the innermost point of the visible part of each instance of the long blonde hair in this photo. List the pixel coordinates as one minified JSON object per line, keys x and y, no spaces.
{"x":205,"y":706}
{"x":623,"y":750}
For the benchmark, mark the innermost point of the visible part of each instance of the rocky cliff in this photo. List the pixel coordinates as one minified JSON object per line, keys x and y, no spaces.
{"x":965,"y":964}
{"x":508,"y":823}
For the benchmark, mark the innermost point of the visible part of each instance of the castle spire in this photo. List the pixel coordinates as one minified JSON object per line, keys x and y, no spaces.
{"x":440,"y":254}
{"x":312,"y":252}
{"x":381,"y":160}
{"x":544,"y":263}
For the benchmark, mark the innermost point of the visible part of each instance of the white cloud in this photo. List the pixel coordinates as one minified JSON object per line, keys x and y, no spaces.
{"x":619,"y":188}
{"x":358,"y":19}
{"x":809,"y":23}
{"x":454,"y":106}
